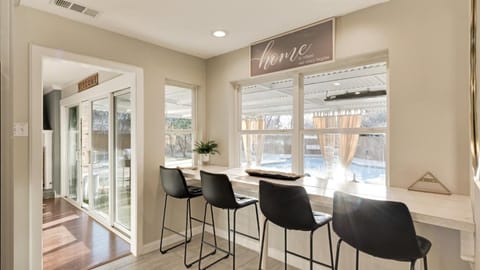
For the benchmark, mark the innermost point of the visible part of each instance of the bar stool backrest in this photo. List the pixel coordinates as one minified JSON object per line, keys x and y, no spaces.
{"x":173,"y":182}
{"x":286,"y":206}
{"x":217,"y":190}
{"x":382,"y":229}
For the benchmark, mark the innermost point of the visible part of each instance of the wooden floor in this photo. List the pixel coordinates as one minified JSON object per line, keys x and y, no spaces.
{"x":72,"y":240}
{"x":245,"y":260}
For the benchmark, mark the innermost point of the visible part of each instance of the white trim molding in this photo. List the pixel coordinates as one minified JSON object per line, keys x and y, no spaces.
{"x":37,"y":54}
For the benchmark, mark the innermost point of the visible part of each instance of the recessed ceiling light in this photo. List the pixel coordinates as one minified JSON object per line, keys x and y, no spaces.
{"x":336,"y":83}
{"x":219,"y":33}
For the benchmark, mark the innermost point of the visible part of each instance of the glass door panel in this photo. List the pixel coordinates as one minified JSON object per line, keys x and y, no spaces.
{"x":72,"y":153}
{"x":122,"y":118}
{"x":99,"y":157}
{"x":85,"y":150}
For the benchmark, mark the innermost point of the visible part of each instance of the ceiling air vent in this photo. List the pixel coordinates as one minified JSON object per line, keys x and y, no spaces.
{"x":91,"y":12}
{"x":62,"y":3}
{"x":76,"y":7}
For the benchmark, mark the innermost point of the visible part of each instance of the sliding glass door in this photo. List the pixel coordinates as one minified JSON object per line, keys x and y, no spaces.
{"x":122,"y":158}
{"x":73,"y":148}
{"x":98,"y":152}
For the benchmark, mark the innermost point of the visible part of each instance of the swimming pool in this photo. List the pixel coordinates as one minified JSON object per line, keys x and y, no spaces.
{"x":368,"y":171}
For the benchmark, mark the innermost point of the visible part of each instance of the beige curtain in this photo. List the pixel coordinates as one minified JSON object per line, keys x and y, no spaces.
{"x":320,"y":122}
{"x":348,"y":142}
{"x":326,"y":141}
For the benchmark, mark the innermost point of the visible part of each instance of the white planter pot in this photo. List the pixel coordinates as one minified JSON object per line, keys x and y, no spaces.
{"x":204,"y":159}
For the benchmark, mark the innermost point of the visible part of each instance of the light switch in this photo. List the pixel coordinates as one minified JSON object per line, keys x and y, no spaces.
{"x":20,"y":129}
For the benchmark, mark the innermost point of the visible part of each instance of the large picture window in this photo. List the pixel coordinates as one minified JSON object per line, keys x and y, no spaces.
{"x":179,"y":125}
{"x":344,"y":128}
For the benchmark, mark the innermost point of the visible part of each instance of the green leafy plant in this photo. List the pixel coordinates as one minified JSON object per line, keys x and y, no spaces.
{"x":208,"y":147}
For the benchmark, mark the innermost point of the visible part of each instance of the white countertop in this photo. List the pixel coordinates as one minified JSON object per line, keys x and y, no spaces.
{"x":448,"y":211}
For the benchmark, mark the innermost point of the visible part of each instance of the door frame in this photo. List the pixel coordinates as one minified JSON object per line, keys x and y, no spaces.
{"x":37,"y":53}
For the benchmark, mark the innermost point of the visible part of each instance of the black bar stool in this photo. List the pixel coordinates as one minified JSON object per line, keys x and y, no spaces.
{"x":174,"y":185}
{"x":382,"y":229}
{"x":289,"y":207}
{"x":218,"y":192}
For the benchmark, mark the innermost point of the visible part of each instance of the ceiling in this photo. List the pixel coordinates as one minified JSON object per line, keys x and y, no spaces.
{"x":59,"y":74}
{"x":186,"y":25}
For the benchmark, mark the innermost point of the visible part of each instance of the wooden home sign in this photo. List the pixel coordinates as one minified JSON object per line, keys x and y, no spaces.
{"x":311,"y":45}
{"x":88,"y":82}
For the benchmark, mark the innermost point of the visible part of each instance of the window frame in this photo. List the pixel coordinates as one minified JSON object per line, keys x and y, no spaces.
{"x":238,"y":122}
{"x":194,"y":129}
{"x":298,"y":130}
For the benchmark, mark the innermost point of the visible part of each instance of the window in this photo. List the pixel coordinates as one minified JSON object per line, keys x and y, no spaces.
{"x":266,"y":125}
{"x":344,"y":117}
{"x":179,"y":125}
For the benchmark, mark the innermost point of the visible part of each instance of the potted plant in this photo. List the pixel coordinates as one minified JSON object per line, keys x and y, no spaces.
{"x":205,"y":149}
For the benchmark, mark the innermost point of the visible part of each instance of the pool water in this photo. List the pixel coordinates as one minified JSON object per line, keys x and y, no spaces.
{"x":364,"y":170}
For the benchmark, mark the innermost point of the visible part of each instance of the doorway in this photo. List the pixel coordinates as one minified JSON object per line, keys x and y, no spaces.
{"x":127,"y":219}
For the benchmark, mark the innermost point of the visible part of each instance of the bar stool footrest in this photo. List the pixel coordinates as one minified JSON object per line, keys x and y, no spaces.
{"x":308,"y":259}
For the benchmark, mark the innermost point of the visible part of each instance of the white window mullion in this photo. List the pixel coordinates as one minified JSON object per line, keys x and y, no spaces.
{"x":298,"y":105}
{"x":194,"y":131}
{"x":111,"y":160}
{"x":348,"y":130}
{"x":235,"y":144}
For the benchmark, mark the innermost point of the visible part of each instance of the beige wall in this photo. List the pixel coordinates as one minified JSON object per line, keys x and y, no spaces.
{"x":35,"y":27}
{"x":6,"y":187}
{"x":427,"y":43}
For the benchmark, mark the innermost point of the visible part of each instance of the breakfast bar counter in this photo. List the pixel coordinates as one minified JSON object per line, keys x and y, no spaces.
{"x":447,"y":211}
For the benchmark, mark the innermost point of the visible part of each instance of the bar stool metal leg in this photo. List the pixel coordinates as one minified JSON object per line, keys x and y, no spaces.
{"x":227,"y":253}
{"x":213,"y":227}
{"x":203,"y":236}
{"x":188,"y":265}
{"x":163,"y":224}
{"x":425,"y":266}
{"x":261,"y":244}
{"x":356,"y":260}
{"x":338,"y":253}
{"x":187,"y":240}
{"x":258,"y":226}
{"x":412,"y":265}
{"x":186,"y":232}
{"x":285,"y":247}
{"x":311,"y":250}
{"x":228,"y":229}
{"x":330,"y":245}
{"x":258,"y":221}
{"x":234,"y":233}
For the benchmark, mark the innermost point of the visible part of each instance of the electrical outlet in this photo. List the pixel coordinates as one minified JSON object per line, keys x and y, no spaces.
{"x":20,"y":129}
